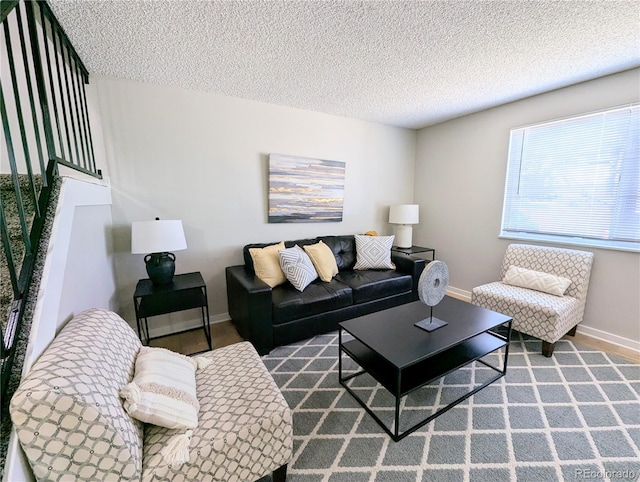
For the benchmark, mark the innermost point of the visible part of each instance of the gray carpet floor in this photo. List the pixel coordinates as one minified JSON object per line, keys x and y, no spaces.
{"x":574,"y":416}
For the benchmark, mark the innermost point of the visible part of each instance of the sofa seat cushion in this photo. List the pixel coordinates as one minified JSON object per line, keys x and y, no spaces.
{"x":245,"y":428}
{"x":374,"y":285}
{"x":319,"y":297}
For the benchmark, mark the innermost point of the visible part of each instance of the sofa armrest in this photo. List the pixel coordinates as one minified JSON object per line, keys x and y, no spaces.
{"x":410,"y":265}
{"x":249,"y":300}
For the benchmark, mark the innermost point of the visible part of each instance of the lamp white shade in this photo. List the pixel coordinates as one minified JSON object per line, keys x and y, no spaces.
{"x":404,"y":214}
{"x":157,"y":236}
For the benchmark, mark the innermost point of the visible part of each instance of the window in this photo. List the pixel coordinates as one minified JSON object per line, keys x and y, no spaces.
{"x":575,"y":181}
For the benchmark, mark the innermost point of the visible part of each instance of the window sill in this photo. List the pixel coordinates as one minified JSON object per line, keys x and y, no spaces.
{"x":579,"y":242}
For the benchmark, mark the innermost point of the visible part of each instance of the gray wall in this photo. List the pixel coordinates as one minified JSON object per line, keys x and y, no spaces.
{"x":459,"y":184}
{"x":202,"y":158}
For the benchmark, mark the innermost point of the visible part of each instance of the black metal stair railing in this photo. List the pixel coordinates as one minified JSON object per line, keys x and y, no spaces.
{"x":45,"y":124}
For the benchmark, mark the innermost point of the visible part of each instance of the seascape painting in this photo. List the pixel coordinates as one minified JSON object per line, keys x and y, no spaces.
{"x":304,"y":190}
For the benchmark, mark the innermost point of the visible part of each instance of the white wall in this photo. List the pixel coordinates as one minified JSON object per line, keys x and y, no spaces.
{"x":459,"y":184}
{"x":202,"y":158}
{"x":77,"y":275}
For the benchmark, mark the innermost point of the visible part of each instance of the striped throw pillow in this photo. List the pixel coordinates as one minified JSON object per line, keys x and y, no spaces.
{"x":297,"y":267}
{"x":163,"y":390}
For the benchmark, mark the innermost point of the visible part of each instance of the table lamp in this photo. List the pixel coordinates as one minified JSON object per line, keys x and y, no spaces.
{"x":157,"y":238}
{"x":404,"y":215}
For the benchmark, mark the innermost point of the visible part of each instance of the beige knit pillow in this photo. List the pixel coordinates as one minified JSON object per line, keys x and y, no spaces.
{"x":536,"y":280}
{"x":163,"y":390}
{"x":163,"y":393}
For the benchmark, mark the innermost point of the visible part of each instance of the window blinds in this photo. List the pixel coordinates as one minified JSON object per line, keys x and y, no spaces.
{"x":576,"y":180}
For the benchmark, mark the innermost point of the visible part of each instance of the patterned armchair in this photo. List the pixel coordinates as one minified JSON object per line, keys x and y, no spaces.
{"x":72,"y":425}
{"x":542,"y":315}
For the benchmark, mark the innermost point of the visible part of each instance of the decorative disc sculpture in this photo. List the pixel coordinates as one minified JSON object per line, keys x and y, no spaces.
{"x":431,"y":289}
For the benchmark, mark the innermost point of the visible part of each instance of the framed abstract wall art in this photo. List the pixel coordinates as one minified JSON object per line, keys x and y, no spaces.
{"x":305,"y":190}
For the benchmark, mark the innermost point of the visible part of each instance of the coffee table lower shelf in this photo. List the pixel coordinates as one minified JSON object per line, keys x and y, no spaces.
{"x":401,"y":382}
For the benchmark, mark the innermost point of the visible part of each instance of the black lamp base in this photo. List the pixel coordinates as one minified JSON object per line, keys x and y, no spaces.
{"x":160,"y":267}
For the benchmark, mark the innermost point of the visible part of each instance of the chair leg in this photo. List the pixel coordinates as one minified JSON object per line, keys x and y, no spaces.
{"x":572,"y":331}
{"x":547,"y":348}
{"x":280,"y":474}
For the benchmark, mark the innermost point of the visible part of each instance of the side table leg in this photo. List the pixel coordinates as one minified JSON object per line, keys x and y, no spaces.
{"x":139,"y":328}
{"x":147,"y":336}
{"x":340,"y":354}
{"x":206,"y":325}
{"x":398,"y":397}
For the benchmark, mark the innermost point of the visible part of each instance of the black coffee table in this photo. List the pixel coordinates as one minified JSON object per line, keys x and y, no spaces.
{"x":403,"y":357}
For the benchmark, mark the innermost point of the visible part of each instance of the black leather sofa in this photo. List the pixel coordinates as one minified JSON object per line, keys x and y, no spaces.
{"x":270,"y":317}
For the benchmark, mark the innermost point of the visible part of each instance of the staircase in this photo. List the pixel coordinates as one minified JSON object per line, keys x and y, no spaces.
{"x":16,"y":240}
{"x":34,"y":144}
{"x":14,"y":364}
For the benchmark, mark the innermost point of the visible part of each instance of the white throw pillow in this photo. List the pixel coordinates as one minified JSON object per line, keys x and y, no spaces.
{"x":536,"y":280}
{"x":297,"y":267}
{"x":373,"y":252}
{"x":163,"y":390}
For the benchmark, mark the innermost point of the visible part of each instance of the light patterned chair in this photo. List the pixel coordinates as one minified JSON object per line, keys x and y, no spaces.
{"x":72,"y":425}
{"x":542,"y":315}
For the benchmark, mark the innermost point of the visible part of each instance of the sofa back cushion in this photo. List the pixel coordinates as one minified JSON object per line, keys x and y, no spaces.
{"x":344,"y":250}
{"x":67,"y":412}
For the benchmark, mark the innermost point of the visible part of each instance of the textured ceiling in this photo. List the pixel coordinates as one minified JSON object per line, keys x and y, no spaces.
{"x":402,"y":63}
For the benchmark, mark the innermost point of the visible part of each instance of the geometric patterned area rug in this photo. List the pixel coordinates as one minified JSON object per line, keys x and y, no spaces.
{"x":573,"y":416}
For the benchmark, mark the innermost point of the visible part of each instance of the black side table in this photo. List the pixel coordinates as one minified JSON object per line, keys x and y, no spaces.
{"x":185,"y":292}
{"x":415,"y":250}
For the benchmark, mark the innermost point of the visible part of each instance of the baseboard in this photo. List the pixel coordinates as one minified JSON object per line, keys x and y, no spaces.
{"x":460,"y":294}
{"x":627,"y":343}
{"x":190,"y":324}
{"x":600,"y":335}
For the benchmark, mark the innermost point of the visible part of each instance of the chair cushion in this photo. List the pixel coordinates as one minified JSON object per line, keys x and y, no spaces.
{"x":374,"y":285}
{"x":319,"y":297}
{"x":568,"y":263}
{"x":245,"y":429}
{"x":538,"y":314}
